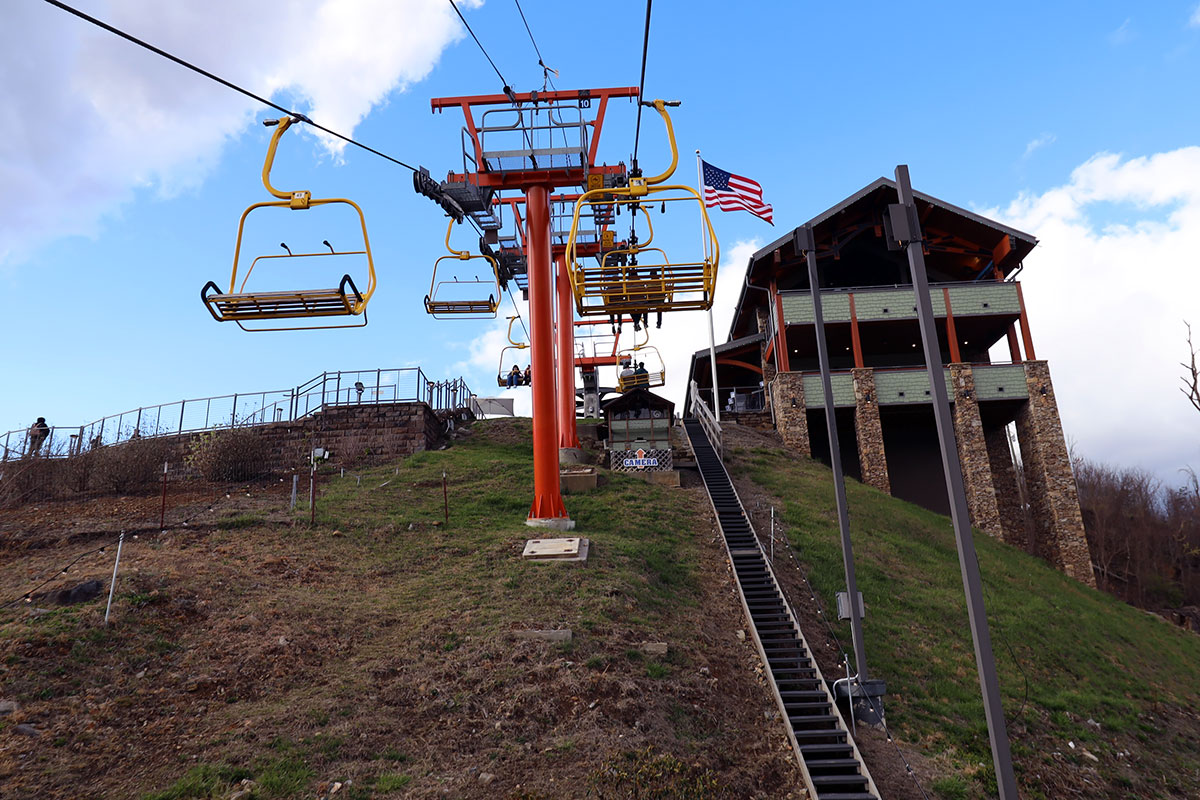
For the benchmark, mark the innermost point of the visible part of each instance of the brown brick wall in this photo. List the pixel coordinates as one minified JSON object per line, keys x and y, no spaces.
{"x":1053,"y":498}
{"x":872,"y":458}
{"x":791,"y":419}
{"x":973,"y":453}
{"x":353,"y":434}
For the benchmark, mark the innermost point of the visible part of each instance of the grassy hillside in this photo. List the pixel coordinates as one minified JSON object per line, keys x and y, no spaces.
{"x":1101,"y":698}
{"x":379,"y":648}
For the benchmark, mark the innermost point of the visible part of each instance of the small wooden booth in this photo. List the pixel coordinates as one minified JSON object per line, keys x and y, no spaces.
{"x":639,"y":431}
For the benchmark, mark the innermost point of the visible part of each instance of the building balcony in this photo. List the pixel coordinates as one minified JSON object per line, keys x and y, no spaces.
{"x":910,"y":386}
{"x":878,"y":304}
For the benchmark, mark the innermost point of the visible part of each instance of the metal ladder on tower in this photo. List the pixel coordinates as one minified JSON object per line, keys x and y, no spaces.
{"x":830,"y":762}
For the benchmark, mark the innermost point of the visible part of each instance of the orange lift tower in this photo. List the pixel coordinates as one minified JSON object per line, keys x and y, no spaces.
{"x":533,"y":143}
{"x":590,"y":243}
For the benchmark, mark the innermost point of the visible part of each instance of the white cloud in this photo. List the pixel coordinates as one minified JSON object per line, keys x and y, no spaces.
{"x":1194,"y":19}
{"x":1123,"y":34}
{"x":85,"y":117}
{"x":1045,"y":140}
{"x":1107,"y":290}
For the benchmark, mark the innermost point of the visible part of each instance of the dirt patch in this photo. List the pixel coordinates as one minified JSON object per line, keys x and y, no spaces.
{"x":337,"y":653}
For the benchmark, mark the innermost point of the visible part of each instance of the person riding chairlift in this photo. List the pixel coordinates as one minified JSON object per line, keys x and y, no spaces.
{"x":514,"y":377}
{"x":527,"y":378}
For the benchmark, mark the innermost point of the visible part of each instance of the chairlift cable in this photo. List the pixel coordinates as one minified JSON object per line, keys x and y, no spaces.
{"x":637,"y":133}
{"x":507,"y":88}
{"x":220,"y":80}
{"x":541,"y":63}
{"x":519,"y":317}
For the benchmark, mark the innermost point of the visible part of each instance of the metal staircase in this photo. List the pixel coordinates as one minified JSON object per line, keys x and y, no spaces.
{"x":831,"y":764}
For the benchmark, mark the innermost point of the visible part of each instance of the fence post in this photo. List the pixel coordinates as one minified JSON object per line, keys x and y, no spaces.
{"x":295,"y":485}
{"x":113,"y":584}
{"x":182,"y":406}
{"x":137,"y":426}
{"x":233,"y":413}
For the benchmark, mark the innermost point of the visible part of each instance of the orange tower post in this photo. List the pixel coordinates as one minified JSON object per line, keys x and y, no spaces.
{"x":567,"y":434}
{"x":547,"y":509}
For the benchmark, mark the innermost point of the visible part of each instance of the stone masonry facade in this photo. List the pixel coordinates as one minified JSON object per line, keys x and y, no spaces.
{"x":791,"y":417}
{"x":973,"y":453}
{"x":1053,"y":497}
{"x":872,"y":459}
{"x":1007,"y":488}
{"x":996,"y":498}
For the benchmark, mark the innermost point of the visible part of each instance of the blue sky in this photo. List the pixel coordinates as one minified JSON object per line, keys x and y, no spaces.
{"x":125,"y":175}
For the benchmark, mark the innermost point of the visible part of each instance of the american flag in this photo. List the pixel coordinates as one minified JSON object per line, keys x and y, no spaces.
{"x":731,"y":192}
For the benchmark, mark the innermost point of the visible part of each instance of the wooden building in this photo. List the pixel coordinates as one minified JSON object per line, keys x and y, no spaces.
{"x":882,"y":402}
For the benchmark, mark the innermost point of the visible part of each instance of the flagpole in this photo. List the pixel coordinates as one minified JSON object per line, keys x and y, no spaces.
{"x":712,"y":343}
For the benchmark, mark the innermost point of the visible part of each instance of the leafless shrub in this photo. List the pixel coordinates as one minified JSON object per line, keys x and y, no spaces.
{"x":132,"y":465}
{"x":1145,"y":539}
{"x":237,"y":454}
{"x":28,"y":480}
{"x":1191,"y":381}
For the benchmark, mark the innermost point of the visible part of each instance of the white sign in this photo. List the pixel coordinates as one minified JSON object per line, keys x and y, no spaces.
{"x":640,"y":462}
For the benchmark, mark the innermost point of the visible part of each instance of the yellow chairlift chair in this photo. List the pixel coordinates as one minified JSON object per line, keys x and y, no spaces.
{"x":238,"y":305}
{"x":501,"y":372}
{"x":654,"y":283}
{"x":656,"y":374}
{"x":446,"y":297}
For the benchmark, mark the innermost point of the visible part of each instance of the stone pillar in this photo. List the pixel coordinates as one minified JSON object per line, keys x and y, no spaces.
{"x":973,"y":452}
{"x":871,"y":457}
{"x":791,"y":419}
{"x":1053,"y":498}
{"x":1008,"y":491}
{"x":763,"y":315}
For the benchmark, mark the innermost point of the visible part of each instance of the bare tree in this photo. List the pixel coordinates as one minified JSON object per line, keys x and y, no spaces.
{"x":1191,"y":384}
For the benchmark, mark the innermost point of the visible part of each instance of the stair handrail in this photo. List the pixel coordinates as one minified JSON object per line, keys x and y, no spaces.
{"x":708,"y":420}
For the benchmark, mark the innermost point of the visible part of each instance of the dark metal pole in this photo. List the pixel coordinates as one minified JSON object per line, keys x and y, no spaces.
{"x":906,"y":228}
{"x":445,"y":500}
{"x":804,"y":243}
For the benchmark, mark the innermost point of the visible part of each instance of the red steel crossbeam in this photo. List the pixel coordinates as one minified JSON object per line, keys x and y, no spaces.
{"x":521,"y":179}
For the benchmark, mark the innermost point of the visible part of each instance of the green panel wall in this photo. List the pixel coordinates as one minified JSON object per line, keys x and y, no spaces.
{"x":843,"y":390}
{"x":906,"y":386}
{"x":911,"y":386}
{"x":1000,"y":382}
{"x":973,"y":299}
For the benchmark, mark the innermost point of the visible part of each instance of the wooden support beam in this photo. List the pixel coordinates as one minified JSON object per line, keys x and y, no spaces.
{"x":733,"y":362}
{"x":951,"y":332}
{"x":1026,"y":337}
{"x":855,"y":341}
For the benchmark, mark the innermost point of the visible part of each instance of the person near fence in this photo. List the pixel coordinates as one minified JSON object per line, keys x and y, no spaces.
{"x":514,"y":376}
{"x":38,"y":433}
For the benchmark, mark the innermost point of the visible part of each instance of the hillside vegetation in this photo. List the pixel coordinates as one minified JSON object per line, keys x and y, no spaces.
{"x":252,"y":655}
{"x":1101,"y":697}
{"x":382,"y":649}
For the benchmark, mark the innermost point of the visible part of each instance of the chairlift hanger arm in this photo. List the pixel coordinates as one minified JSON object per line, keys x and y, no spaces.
{"x":660,"y":107}
{"x":297,"y":199}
